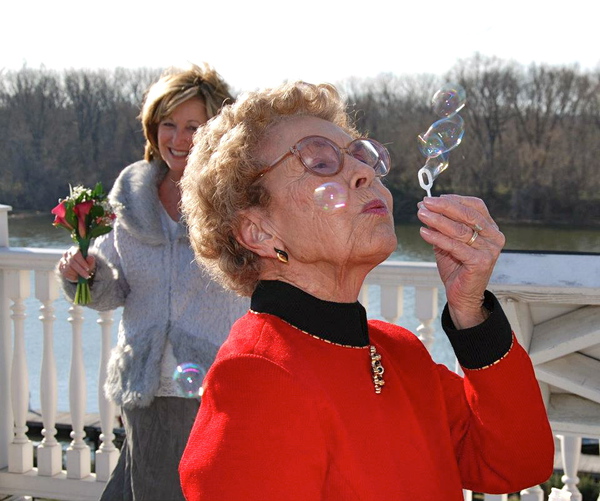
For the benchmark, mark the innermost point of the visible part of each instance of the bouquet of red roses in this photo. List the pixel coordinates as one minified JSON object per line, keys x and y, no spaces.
{"x":86,"y":214}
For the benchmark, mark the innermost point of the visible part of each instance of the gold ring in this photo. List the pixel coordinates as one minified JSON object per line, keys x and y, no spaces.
{"x":474,"y":237}
{"x":477,"y":228}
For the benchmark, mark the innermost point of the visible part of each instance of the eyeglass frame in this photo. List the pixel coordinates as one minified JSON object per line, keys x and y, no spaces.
{"x":293,"y":150}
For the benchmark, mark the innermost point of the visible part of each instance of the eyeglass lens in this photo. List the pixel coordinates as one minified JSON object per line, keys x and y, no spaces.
{"x":324,"y":157}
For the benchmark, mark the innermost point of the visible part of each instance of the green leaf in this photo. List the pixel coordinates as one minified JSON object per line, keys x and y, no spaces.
{"x":99,"y":230}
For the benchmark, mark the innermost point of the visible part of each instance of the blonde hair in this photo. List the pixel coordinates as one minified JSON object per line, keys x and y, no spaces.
{"x":219,"y":180}
{"x":174,"y":87}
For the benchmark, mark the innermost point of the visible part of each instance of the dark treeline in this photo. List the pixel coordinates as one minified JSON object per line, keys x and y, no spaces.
{"x":531,"y":147}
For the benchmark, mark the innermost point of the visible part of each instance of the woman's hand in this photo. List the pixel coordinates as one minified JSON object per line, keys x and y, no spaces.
{"x":467,"y":243}
{"x":72,"y":264}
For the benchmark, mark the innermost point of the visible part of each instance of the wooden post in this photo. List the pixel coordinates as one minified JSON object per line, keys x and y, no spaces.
{"x":49,"y":452}
{"x":20,"y":458}
{"x":78,"y":452}
{"x":426,"y":311}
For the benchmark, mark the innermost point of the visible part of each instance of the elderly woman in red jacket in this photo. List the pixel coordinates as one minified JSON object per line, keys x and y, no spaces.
{"x":307,"y":399}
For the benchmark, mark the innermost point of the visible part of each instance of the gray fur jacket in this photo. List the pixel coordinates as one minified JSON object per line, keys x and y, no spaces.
{"x":164,"y":294}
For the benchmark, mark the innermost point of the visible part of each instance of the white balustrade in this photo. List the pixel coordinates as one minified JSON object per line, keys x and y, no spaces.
{"x":107,"y":454}
{"x":495,"y":497}
{"x":78,"y":452}
{"x":389,"y":280}
{"x":49,"y":452}
{"x":20,"y":458}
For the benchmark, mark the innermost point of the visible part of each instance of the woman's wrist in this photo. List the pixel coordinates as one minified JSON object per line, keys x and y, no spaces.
{"x":466,"y":320}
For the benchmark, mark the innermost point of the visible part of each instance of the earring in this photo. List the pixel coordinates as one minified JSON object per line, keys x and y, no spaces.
{"x":282,"y":255}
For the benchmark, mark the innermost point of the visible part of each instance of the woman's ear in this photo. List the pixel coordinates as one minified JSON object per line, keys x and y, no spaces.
{"x":253,"y":235}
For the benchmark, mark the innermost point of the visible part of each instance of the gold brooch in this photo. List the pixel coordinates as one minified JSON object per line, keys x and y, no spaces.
{"x":377,"y":369}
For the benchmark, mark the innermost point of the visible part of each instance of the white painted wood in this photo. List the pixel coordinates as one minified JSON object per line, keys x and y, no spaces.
{"x":426,"y":311}
{"x":363,"y":296}
{"x":574,"y":415}
{"x":78,"y":452}
{"x":542,"y":270}
{"x":467,"y":495}
{"x":6,"y":414}
{"x":565,"y":334}
{"x":20,"y":458}
{"x":4,"y":210}
{"x":521,"y":321}
{"x":532,"y":494}
{"x":570,"y":450}
{"x":107,"y":454}
{"x":391,"y":302}
{"x":495,"y":497}
{"x":57,"y":487}
{"x":49,"y":452}
{"x":529,"y":304}
{"x":574,"y":373}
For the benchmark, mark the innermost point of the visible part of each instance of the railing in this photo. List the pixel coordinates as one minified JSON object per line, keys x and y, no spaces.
{"x":540,"y":310}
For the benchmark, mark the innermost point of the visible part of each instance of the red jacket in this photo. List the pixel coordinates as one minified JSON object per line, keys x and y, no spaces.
{"x":285,"y":416}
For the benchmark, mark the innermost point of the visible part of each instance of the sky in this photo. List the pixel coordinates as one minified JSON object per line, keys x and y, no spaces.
{"x":255,"y":44}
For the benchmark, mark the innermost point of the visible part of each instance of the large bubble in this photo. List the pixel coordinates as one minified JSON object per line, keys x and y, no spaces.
{"x":442,"y":137}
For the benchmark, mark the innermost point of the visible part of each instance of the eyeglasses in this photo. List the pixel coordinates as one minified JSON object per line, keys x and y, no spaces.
{"x":322,"y":157}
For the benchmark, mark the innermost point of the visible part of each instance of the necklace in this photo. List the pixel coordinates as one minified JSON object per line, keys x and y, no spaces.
{"x":377,"y":369}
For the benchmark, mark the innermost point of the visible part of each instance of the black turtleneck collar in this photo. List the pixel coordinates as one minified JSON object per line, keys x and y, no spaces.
{"x":342,"y":323}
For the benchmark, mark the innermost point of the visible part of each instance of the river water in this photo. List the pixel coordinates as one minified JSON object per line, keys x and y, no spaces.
{"x":36,"y":230}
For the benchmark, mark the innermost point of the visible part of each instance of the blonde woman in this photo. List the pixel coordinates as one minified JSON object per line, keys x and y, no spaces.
{"x":172,"y":312}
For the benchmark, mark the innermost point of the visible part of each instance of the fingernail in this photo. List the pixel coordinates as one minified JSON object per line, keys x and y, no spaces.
{"x":424,"y":212}
{"x":424,"y":231}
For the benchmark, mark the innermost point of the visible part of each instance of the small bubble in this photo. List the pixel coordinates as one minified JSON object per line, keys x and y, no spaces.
{"x":330,"y":196}
{"x":449,"y":100}
{"x":436,"y":165}
{"x":189,"y":377}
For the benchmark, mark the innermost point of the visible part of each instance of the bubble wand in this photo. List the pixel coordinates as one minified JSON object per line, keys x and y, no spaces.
{"x":443,"y":136}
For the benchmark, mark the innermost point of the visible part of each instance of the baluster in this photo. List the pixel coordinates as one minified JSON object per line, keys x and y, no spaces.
{"x":78,"y":452}
{"x":426,"y":308}
{"x":391,"y":302}
{"x":363,"y":296}
{"x":570,"y":451}
{"x":467,"y":495}
{"x":49,"y":452}
{"x":535,"y":493}
{"x":20,"y":459}
{"x":495,"y":497}
{"x":6,"y":414}
{"x":107,"y":454}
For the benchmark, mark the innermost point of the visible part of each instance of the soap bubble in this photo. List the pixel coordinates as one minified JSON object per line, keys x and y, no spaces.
{"x":433,"y":167}
{"x":449,"y":100}
{"x":189,"y":377}
{"x":442,"y":137}
{"x":436,"y":165}
{"x":330,"y":196}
